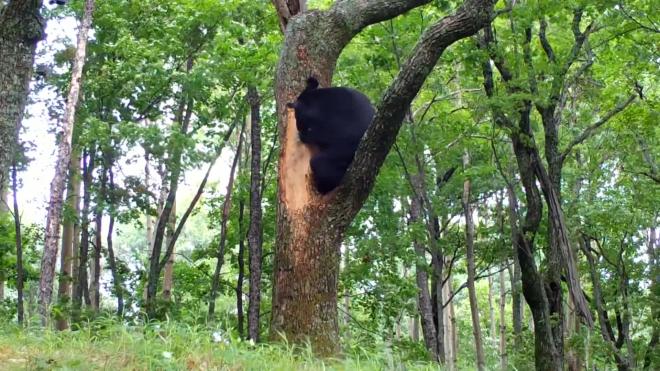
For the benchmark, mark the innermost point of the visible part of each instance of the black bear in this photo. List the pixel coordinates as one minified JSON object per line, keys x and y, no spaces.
{"x":332,"y":121}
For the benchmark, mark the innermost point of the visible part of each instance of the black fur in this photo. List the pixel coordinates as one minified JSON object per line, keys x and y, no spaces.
{"x":333,"y":121}
{"x":58,"y":2}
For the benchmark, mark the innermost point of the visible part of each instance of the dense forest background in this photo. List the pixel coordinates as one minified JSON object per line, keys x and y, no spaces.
{"x":501,"y":212}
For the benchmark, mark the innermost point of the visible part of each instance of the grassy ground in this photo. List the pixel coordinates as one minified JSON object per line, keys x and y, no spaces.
{"x":112,"y":346}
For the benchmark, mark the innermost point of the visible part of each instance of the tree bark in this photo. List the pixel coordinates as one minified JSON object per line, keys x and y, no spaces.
{"x":226,"y":207}
{"x":310,"y":227}
{"x":20,"y":273}
{"x":471,"y":272}
{"x":21,"y":28}
{"x":255,"y":232}
{"x":63,"y":157}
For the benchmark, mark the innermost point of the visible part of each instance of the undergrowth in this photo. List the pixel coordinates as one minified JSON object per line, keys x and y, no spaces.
{"x":109,"y":345}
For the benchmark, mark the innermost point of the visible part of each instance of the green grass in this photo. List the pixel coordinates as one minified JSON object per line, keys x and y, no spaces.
{"x":107,"y":345}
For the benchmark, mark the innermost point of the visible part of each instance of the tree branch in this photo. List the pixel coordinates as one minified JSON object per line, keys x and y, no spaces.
{"x":589,"y":131}
{"x":358,"y":14}
{"x":381,"y":134}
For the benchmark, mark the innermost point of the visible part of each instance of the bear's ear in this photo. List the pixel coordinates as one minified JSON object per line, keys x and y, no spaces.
{"x":312,"y":83}
{"x":291,"y":105}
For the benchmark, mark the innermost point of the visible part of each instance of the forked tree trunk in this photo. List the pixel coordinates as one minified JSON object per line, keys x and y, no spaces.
{"x":21,"y":28}
{"x":59,"y":179}
{"x":310,"y":227}
{"x":471,"y":272}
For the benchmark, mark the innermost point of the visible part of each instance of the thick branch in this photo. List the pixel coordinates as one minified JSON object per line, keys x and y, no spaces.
{"x":380,"y":136}
{"x":589,"y":131}
{"x":359,"y":13}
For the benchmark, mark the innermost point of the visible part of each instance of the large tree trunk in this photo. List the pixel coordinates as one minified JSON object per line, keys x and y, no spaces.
{"x":63,"y":157}
{"x":68,"y":237}
{"x":310,"y":227}
{"x":255,"y":232}
{"x":471,"y":272}
{"x":21,"y":28}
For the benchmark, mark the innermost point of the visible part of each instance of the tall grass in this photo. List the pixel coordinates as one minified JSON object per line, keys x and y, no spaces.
{"x":108,"y":345}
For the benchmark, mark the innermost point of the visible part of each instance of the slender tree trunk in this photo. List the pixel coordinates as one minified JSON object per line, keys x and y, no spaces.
{"x":255,"y":232}
{"x":68,"y":237}
{"x":451,"y":321}
{"x":20,"y":273}
{"x":516,"y":284}
{"x":168,"y":272}
{"x":226,"y":207}
{"x":469,"y":256}
{"x":651,"y":357}
{"x":63,"y":157}
{"x":81,"y":282}
{"x":95,"y":269}
{"x":423,"y":297}
{"x":21,"y":28}
{"x":149,"y":218}
{"x":241,"y":271}
{"x":491,"y":308}
{"x":117,"y":280}
{"x":504,"y":363}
